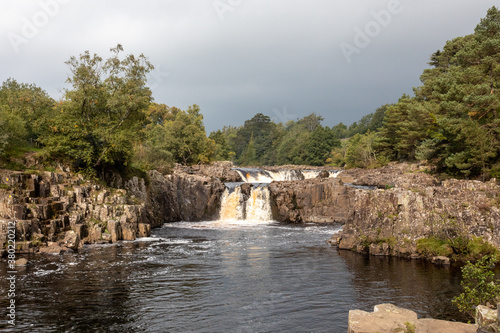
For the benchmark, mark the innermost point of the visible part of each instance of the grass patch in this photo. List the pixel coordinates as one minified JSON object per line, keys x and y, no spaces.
{"x":457,"y":248}
{"x":477,"y":247}
{"x":434,"y":246}
{"x":32,"y":172}
{"x":410,"y":328}
{"x":392,"y":241}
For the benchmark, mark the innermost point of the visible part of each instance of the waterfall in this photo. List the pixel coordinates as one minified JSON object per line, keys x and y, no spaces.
{"x":250,"y":200}
{"x":254,"y":205}
{"x":254,"y":175}
{"x":258,"y":206}
{"x":231,"y":208}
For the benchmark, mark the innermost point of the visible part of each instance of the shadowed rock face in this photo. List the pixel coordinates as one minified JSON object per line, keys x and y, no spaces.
{"x":180,"y":197}
{"x":313,"y":200}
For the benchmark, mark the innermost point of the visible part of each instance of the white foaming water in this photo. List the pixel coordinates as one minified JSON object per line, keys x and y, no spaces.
{"x":231,"y":208}
{"x":335,"y":173}
{"x":255,"y":175}
{"x":251,"y":175}
{"x":256,"y":207}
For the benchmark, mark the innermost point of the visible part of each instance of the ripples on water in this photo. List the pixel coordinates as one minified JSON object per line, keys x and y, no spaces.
{"x":221,"y":277}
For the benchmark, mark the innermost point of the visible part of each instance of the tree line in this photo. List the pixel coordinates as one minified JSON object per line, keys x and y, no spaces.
{"x":453,"y":119}
{"x":108,"y":119}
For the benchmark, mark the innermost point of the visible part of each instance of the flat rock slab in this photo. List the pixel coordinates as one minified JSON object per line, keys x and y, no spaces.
{"x":385,"y":318}
{"x":442,"y":326}
{"x":388,"y":318}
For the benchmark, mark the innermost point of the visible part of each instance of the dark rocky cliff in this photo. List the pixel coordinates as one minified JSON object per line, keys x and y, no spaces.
{"x":410,"y":205}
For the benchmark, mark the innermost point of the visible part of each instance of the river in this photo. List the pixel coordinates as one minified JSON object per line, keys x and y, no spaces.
{"x":222,"y":276}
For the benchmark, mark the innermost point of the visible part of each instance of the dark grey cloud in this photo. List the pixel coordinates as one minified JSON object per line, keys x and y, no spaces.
{"x":238,"y":57}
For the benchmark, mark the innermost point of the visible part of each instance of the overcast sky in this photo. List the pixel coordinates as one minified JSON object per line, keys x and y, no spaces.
{"x":235,"y":58}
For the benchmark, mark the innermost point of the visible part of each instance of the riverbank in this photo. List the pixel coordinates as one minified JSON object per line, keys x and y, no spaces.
{"x":413,"y":214}
{"x":58,"y":212}
{"x":398,"y":210}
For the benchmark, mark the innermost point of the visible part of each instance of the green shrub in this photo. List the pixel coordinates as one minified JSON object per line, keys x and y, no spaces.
{"x":410,"y":328}
{"x":480,"y":286}
{"x":460,"y":248}
{"x":477,"y":247}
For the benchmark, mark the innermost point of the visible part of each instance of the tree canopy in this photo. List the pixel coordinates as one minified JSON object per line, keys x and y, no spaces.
{"x":107,"y":119}
{"x":453,"y":119}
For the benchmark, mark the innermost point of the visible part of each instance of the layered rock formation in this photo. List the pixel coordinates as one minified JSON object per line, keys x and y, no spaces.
{"x":62,"y":210}
{"x":385,"y":211}
{"x":415,"y":205}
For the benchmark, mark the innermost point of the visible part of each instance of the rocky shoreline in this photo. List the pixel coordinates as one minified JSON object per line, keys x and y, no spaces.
{"x":59,"y":212}
{"x":383,"y":211}
{"x":390,"y":318}
{"x":410,"y":205}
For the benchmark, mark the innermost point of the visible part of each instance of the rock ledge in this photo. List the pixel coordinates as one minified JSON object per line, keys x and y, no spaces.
{"x":390,"y":318}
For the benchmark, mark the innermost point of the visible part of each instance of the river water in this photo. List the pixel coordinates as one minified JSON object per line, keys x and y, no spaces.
{"x":240,"y":276}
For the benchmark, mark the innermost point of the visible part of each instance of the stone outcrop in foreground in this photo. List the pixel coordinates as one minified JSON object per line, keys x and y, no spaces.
{"x":389,"y":318}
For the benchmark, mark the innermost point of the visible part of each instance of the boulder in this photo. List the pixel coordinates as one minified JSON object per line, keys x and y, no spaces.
{"x":385,"y":318}
{"x":323,"y":174}
{"x":334,"y":240}
{"x":391,"y":319}
{"x":441,"y":260}
{"x":348,"y":242}
{"x":486,"y":318}
{"x":427,"y":325}
{"x":22,"y":262}
{"x":71,"y":240}
{"x":54,"y":249}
